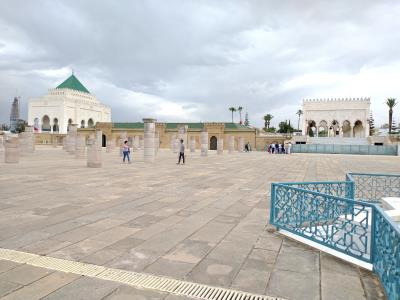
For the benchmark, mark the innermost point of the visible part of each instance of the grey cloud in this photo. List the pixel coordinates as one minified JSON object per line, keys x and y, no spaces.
{"x":202,"y":55}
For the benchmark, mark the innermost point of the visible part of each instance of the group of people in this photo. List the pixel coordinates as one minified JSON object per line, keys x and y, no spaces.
{"x":279,"y":148}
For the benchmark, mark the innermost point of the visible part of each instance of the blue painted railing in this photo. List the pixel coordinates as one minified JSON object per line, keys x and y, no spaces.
{"x":373,"y":187}
{"x":344,"y":216}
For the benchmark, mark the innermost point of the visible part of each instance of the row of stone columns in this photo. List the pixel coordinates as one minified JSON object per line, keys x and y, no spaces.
{"x":204,"y":144}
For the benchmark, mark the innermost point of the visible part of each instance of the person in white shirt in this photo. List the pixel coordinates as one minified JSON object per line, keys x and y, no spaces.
{"x":181,"y":153}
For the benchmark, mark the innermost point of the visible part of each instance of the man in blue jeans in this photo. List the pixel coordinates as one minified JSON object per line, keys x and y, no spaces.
{"x":181,"y":153}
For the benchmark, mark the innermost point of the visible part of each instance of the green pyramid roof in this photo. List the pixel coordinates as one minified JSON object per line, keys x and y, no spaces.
{"x":73,"y":83}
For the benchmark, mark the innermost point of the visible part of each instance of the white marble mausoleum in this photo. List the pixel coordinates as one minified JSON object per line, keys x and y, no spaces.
{"x":68,"y":103}
{"x":338,"y":117}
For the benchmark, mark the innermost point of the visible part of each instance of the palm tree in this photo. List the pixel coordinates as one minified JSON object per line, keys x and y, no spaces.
{"x":299,"y":113}
{"x":267,"y":119}
{"x":240,"y":113}
{"x":232,"y":109}
{"x":391,"y":102}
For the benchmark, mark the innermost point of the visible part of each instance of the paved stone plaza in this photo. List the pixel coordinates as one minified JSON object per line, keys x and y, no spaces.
{"x":204,"y":222}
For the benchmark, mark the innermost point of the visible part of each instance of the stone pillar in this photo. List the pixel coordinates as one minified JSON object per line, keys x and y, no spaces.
{"x":1,"y":143}
{"x":73,"y":129}
{"x":149,"y":134}
{"x":231,"y":144}
{"x":204,"y":143}
{"x":176,"y":145}
{"x":182,"y":131}
{"x":122,"y":140}
{"x":220,"y":145}
{"x":192,"y":144}
{"x":64,"y":142}
{"x":136,"y":143}
{"x":94,"y":150}
{"x":110,"y":145}
{"x":54,"y":141}
{"x":11,"y":150}
{"x":156,"y":141}
{"x":241,"y":144}
{"x":80,"y":146}
{"x":172,"y":143}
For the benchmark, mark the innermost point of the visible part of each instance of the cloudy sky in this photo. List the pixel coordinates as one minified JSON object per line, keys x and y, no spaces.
{"x":183,"y":60}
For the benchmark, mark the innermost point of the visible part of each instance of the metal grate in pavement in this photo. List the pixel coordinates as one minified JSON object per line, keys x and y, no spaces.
{"x":138,"y":280}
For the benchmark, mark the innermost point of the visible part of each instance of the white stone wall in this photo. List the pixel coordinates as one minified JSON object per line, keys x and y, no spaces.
{"x":325,"y":111}
{"x":65,"y":104}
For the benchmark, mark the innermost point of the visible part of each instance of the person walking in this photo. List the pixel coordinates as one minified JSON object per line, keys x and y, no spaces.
{"x":289,"y":146}
{"x":126,"y":152}
{"x":181,"y":153}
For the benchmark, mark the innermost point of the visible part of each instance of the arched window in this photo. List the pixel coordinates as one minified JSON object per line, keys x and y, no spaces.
{"x":90,"y":123}
{"x":346,"y":128}
{"x":358,"y":130}
{"x":213,"y":143}
{"x":46,"y":123}
{"x":83,"y":124}
{"x":55,"y":125}
{"x":69,"y":123}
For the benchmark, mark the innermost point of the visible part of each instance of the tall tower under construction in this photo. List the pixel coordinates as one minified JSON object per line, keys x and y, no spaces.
{"x":14,"y":115}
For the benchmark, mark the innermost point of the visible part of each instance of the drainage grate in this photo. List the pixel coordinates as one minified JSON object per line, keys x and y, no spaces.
{"x":139,"y":280}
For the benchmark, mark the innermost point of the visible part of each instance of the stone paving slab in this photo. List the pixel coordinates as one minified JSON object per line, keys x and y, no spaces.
{"x":205,"y":221}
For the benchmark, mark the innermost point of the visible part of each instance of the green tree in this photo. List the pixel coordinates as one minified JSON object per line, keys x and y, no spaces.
{"x":299,"y":113}
{"x":240,"y":113}
{"x":285,"y":127}
{"x":232,"y":109}
{"x":20,"y":126}
{"x":391,"y":102}
{"x":267,"y":121}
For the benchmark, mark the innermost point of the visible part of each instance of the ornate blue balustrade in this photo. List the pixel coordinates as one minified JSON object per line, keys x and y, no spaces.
{"x":373,"y":187}
{"x":327,"y":213}
{"x":386,"y":249}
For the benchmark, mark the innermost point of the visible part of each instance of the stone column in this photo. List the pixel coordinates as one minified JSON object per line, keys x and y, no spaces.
{"x":71,"y":138}
{"x":94,"y":150}
{"x":110,"y":145}
{"x":54,"y":141}
{"x":220,"y":145}
{"x":156,"y":141}
{"x":136,"y":143}
{"x":11,"y":150}
{"x":64,"y":142}
{"x":80,"y":146}
{"x":182,"y":131}
{"x":192,"y":144}
{"x":172,"y":143}
{"x":149,"y":134}
{"x":122,"y":140}
{"x":1,"y":143}
{"x":204,"y":143}
{"x":231,"y":144}
{"x":241,"y":144}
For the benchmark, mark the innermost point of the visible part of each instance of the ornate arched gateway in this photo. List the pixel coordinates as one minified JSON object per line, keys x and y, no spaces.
{"x":213,"y":143}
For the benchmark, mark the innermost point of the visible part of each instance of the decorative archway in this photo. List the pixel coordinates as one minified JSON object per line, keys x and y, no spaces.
{"x":311,"y":128}
{"x":334,"y":128}
{"x":358,"y":130}
{"x":55,"y":125}
{"x":346,"y":129}
{"x":46,"y":123}
{"x":213,"y":143}
{"x":90,"y":123}
{"x":323,"y":129}
{"x":83,"y":124}
{"x":69,"y":123}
